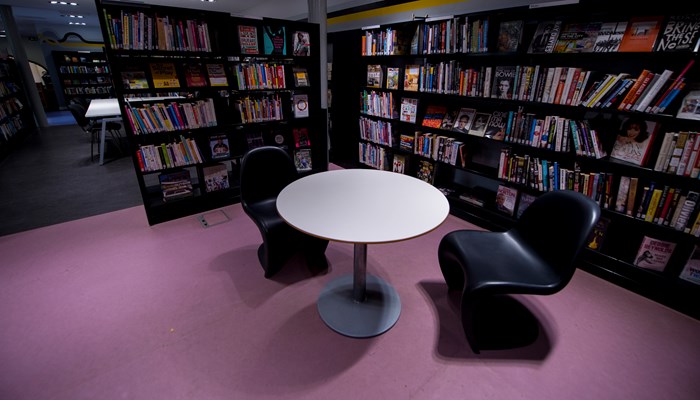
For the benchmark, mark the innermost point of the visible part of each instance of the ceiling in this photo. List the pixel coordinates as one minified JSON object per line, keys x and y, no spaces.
{"x":34,"y":17}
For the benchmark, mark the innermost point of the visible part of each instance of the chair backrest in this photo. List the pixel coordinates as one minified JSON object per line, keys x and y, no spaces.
{"x":78,"y":113}
{"x":556,"y":226}
{"x":265,"y":171}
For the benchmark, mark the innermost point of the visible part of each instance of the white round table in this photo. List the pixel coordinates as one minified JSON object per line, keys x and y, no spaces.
{"x":361,"y":206}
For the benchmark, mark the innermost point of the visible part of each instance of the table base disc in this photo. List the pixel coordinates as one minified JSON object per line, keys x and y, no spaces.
{"x":372,"y":317}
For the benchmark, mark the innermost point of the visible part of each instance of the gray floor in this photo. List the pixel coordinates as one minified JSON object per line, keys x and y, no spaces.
{"x":51,"y":179}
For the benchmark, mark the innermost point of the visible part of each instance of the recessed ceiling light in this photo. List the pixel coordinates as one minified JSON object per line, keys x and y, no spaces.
{"x":76,"y":23}
{"x":63,"y":3}
{"x":208,"y":1}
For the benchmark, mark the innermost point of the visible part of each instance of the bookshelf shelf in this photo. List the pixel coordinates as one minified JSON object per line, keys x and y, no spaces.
{"x":187,"y":150}
{"x":564,"y":127}
{"x":83,"y":74}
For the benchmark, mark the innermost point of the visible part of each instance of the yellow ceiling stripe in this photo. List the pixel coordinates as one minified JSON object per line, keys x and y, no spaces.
{"x":413,"y":5}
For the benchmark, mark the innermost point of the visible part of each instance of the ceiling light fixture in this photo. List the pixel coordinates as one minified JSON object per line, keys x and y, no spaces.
{"x":208,"y":1}
{"x":76,"y":23}
{"x":63,"y":3}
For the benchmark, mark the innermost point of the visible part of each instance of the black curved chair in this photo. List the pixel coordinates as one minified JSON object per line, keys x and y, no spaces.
{"x":535,"y":257}
{"x":93,"y":129}
{"x":265,"y":171}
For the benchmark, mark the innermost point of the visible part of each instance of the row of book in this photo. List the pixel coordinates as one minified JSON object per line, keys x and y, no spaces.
{"x":260,"y":76}
{"x":161,"y":117}
{"x":7,"y":88}
{"x":88,"y":90}
{"x":379,"y":132}
{"x":380,"y":104}
{"x":264,"y":108}
{"x":374,"y":156}
{"x":679,"y":154}
{"x":83,"y":69}
{"x":9,"y":107}
{"x":139,"y":31}
{"x":168,"y":155}
{"x":10,"y":126}
{"x":438,"y":147}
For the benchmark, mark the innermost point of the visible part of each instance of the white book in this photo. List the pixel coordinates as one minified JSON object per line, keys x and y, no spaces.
{"x":664,"y":151}
{"x":656,"y":87}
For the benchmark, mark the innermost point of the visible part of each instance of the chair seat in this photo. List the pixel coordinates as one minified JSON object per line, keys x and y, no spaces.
{"x":526,"y":272}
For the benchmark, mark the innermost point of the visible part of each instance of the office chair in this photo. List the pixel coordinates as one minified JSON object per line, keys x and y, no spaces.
{"x":265,"y":171}
{"x":535,"y":257}
{"x":93,"y":128}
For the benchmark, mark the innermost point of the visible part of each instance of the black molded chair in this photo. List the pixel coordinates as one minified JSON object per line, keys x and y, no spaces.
{"x":265,"y":171}
{"x":536,"y":257}
{"x":93,"y":128}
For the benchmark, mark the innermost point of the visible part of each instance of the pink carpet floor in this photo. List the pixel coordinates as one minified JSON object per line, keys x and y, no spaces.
{"x":109,"y":308}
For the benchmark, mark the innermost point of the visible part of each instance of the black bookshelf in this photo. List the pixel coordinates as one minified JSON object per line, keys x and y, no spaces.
{"x":16,"y":120}
{"x":83,"y":75}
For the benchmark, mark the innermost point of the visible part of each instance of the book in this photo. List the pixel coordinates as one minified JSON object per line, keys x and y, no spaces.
{"x":411,"y":75}
{"x":525,"y":200}
{"x":481,"y":121}
{"x":641,"y":34}
{"x":301,"y":137}
{"x":164,"y":75}
{"x":399,"y":164}
{"x":248,"y":39}
{"x":135,"y":79}
{"x":690,"y":106}
{"x":274,"y":40}
{"x":301,"y":77}
{"x":503,"y":82}
{"x":622,"y":193}
{"x":577,"y":38}
{"x":406,"y":142}
{"x":275,"y":137}
{"x":219,"y":147}
{"x":680,"y":33}
{"x":610,"y":36}
{"x":505,"y":199}
{"x":409,"y":107}
{"x":392,"y":78}
{"x":175,"y":185}
{"x":217,"y":75}
{"x":464,"y":120}
{"x":434,"y":115}
{"x":449,"y":120}
{"x":597,"y":236}
{"x":301,"y":105}
{"x":496,"y":127}
{"x":302,"y":159}
{"x":301,"y":44}
{"x":691,"y":270}
{"x":545,"y":37}
{"x":374,"y":75}
{"x":194,"y":75}
{"x":426,"y":171}
{"x":215,"y":177}
{"x":654,"y":253}
{"x":633,"y":140}
{"x":509,"y":35}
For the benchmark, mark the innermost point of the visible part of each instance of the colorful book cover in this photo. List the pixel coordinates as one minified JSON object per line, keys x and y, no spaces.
{"x":301,"y":105}
{"x":302,"y":159}
{"x":426,"y":171}
{"x":633,"y":140}
{"x":374,"y":75}
{"x":248,"y":39}
{"x":410,"y":82}
{"x":681,"y":33}
{"x":194,"y":75}
{"x":577,"y":38}
{"x":399,"y":164}
{"x":217,"y":75}
{"x":134,"y":80}
{"x":641,"y":34}
{"x":691,"y":270}
{"x":175,"y":185}
{"x":503,"y":82}
{"x":654,"y":253}
{"x":597,"y":235}
{"x":433,"y":116}
{"x":164,"y":75}
{"x":409,"y":108}
{"x":392,"y":78}
{"x":215,"y":178}
{"x":302,"y":44}
{"x":505,"y":199}
{"x":219,"y":147}
{"x":301,"y":77}
{"x":301,"y":137}
{"x":274,"y":40}
{"x":609,"y":37}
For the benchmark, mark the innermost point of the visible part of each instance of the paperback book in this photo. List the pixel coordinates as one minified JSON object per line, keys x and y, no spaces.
{"x":301,"y":44}
{"x":194,"y":75}
{"x":525,"y":200}
{"x":215,"y":178}
{"x":399,"y":164}
{"x":219,"y":147}
{"x":274,"y":40}
{"x":690,"y":107}
{"x":164,"y":75}
{"x":217,"y":75}
{"x":509,"y":35}
{"x":503,"y":82}
{"x":506,"y":198}
{"x":135,"y":80}
{"x":301,"y":77}
{"x":464,"y":120}
{"x":481,"y":121}
{"x":597,"y":235}
{"x":681,"y":33}
{"x":410,"y":81}
{"x":301,"y":105}
{"x":426,"y":171}
{"x":654,"y":253}
{"x":641,"y":34}
{"x":302,"y":159}
{"x":392,"y":78}
{"x":610,"y":36}
{"x":374,"y":75}
{"x":496,"y":127}
{"x":248,"y":39}
{"x":545,"y":37}
{"x":691,"y":270}
{"x":633,"y":140}
{"x":433,"y":116}
{"x":409,"y":108}
{"x":301,"y":137}
{"x":175,"y":185}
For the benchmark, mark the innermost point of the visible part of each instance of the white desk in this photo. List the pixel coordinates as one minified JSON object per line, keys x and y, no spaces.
{"x":362,"y":207}
{"x":105,"y":110}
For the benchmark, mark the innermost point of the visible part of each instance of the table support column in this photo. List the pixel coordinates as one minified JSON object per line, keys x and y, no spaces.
{"x":359,"y":285}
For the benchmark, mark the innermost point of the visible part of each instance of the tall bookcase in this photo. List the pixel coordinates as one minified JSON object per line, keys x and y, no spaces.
{"x":453,"y":64}
{"x":83,"y":74}
{"x":15,"y":115}
{"x":198,"y":89}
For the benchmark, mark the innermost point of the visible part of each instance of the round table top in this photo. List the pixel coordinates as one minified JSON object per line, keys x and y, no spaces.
{"x":362,"y":206}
